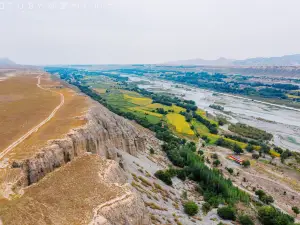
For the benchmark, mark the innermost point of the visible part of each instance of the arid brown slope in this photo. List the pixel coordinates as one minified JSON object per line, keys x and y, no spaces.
{"x":22,"y":106}
{"x":69,"y":116}
{"x":49,"y":179}
{"x":86,"y":190}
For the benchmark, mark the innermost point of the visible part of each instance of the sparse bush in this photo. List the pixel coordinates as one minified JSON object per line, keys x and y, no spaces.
{"x":230,"y":170}
{"x":184,"y":195}
{"x":249,"y":148}
{"x":296,"y":210}
{"x":206,"y":207}
{"x":227,"y":213}
{"x":152,"y":205}
{"x":181,"y":174}
{"x":267,"y":199}
{"x":191,"y":208}
{"x":245,"y":220}
{"x":163,"y":176}
{"x":260,"y":193}
{"x":157,"y":186}
{"x":246,"y":163}
{"x":216,"y":163}
{"x":152,"y":151}
{"x":279,"y":150}
{"x":145,"y":182}
{"x":237,"y":149}
{"x":255,"y":156}
{"x":285,"y":154}
{"x":215,"y":156}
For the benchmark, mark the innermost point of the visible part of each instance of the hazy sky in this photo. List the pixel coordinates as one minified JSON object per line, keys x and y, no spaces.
{"x":146,"y":31}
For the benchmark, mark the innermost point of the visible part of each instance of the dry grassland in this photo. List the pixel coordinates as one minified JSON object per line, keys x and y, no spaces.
{"x":69,"y":116}
{"x":60,"y":199}
{"x":22,"y":106}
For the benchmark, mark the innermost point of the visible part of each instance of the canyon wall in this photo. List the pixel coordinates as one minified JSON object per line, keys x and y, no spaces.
{"x":82,"y":169}
{"x":102,"y":135}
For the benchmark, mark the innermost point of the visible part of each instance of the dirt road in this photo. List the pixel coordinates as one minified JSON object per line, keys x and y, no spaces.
{"x":35,"y":129}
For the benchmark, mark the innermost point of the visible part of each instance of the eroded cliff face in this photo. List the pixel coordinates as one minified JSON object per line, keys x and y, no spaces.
{"x":87,"y":190}
{"x":102,"y":135}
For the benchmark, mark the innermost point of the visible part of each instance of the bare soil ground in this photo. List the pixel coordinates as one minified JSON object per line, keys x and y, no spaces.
{"x":27,"y":105}
{"x":22,"y":106}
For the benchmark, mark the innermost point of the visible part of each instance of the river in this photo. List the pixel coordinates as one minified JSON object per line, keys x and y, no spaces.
{"x":283,"y":122}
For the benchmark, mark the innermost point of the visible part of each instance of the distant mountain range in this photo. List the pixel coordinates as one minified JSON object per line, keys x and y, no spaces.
{"x":287,"y":60}
{"x":6,"y":62}
{"x":203,"y":62}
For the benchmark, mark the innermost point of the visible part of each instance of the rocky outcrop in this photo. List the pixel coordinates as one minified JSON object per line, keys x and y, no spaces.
{"x":128,"y":209}
{"x":88,"y":190}
{"x":102,"y":135}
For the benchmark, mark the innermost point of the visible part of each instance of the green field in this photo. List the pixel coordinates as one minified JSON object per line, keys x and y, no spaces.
{"x":133,"y":102}
{"x":129,"y":101}
{"x":100,"y":90}
{"x":152,"y":119}
{"x":145,"y":111}
{"x":174,"y":108}
{"x":143,"y":107}
{"x":141,"y":101}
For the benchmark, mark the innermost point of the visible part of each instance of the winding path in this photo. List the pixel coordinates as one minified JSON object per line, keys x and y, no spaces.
{"x":35,"y":129}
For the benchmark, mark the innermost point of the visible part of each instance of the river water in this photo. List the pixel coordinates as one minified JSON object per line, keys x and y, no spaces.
{"x":283,"y":122}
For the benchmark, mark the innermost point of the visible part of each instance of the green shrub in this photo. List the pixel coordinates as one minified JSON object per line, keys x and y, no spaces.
{"x":200,"y":152}
{"x":181,"y":174}
{"x":184,"y":195}
{"x":267,"y":199}
{"x":245,"y":220}
{"x":216,"y":163}
{"x":191,"y":208}
{"x":152,"y":151}
{"x":260,"y":193}
{"x":230,"y":170}
{"x":250,"y":148}
{"x":296,"y":210}
{"x":227,"y":213}
{"x":213,"y":200}
{"x":206,"y":207}
{"x":255,"y":156}
{"x":268,"y":215}
{"x":246,"y":163}
{"x":164,"y":176}
{"x":237,"y":149}
{"x":215,"y":156}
